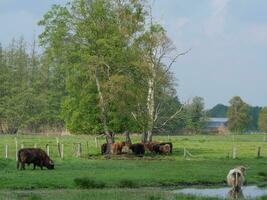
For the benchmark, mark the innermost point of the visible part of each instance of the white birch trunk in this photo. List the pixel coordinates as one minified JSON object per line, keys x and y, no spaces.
{"x":151,"y":103}
{"x":103,"y":113}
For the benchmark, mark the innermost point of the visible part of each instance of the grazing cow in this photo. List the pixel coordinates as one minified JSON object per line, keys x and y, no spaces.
{"x":117,"y":147}
{"x":236,"y":178}
{"x":35,"y":156}
{"x":138,"y":149}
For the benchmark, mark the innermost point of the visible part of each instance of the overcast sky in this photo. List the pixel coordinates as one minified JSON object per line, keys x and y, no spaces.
{"x":228,"y":40}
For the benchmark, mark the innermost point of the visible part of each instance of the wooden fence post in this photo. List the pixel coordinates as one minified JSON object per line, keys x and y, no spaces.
{"x":47,"y":149}
{"x":6,"y":151}
{"x":35,"y":145}
{"x":96,"y":142}
{"x":87,"y":146}
{"x":258,"y":152}
{"x":234,"y":152}
{"x":22,"y":146}
{"x":16,"y":148}
{"x":58,"y":148}
{"x":62,"y":151}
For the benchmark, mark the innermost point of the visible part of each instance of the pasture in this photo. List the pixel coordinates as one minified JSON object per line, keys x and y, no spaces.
{"x":148,"y":177}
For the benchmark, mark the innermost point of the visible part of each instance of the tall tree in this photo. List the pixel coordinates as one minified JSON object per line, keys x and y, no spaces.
{"x":194,"y":115}
{"x":263,"y":120}
{"x":238,"y":114}
{"x":159,"y":54}
{"x":92,"y":43}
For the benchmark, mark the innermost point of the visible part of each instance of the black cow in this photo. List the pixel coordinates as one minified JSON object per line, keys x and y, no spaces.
{"x":35,"y":156}
{"x":138,"y":149}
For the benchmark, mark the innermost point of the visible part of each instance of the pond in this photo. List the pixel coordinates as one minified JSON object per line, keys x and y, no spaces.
{"x":248,"y":192}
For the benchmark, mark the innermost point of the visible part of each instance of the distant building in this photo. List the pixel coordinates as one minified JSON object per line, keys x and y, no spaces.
{"x":217,"y":125}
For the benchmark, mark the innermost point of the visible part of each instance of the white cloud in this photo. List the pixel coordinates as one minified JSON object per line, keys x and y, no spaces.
{"x":214,"y":26}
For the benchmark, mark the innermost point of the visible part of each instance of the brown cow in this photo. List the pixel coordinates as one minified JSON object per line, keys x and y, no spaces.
{"x":35,"y":156}
{"x":117,"y":147}
{"x":149,"y":146}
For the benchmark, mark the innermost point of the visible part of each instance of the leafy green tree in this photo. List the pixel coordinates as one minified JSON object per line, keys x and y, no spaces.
{"x":238,"y":114}
{"x":194,"y":115}
{"x":254,"y":112}
{"x":263,"y":119}
{"x":92,"y":43}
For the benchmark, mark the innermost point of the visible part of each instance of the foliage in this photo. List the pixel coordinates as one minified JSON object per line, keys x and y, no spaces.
{"x":194,"y":115}
{"x":263,"y":119}
{"x":238,"y":114}
{"x":28,"y":100}
{"x":254,"y":112}
{"x":221,"y":110}
{"x":104,"y":48}
{"x":88,"y":183}
{"x":127,"y":183}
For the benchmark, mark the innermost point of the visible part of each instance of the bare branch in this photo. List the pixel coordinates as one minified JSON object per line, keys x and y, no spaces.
{"x":171,"y":117}
{"x":157,"y":112}
{"x":175,"y":58}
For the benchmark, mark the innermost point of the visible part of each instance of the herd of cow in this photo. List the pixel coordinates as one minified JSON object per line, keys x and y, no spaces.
{"x":39,"y":157}
{"x":138,"y":148}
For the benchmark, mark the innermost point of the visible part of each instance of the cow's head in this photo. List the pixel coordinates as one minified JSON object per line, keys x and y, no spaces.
{"x":50,"y":164}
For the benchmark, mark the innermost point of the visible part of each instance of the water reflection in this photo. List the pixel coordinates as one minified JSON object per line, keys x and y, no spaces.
{"x":235,"y":194}
{"x":247,"y":192}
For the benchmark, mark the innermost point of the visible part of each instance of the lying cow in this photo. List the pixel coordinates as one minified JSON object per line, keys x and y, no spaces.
{"x":159,"y":148}
{"x":117,"y":147}
{"x":104,"y":148}
{"x":35,"y":156}
{"x":169,"y":143}
{"x":137,"y":149}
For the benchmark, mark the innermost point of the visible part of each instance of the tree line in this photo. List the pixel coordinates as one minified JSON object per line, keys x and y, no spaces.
{"x":242,"y":116}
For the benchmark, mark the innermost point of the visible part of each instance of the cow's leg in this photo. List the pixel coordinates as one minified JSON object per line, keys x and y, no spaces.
{"x":22,"y":166}
{"x":41,"y":165}
{"x":34,"y":166}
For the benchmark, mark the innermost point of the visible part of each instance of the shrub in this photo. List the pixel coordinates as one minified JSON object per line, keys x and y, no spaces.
{"x":88,"y":183}
{"x":127,"y":184}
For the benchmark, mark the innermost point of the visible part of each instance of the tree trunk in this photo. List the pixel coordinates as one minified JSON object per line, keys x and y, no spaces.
{"x":151,"y":103}
{"x":127,"y":137}
{"x":149,"y":136}
{"x":109,"y":136}
{"x":144,"y":137}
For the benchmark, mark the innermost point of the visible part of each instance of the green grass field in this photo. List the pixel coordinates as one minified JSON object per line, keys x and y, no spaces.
{"x":208,"y":165}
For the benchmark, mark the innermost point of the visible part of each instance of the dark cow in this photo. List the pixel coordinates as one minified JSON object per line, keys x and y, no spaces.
{"x":138,"y":149}
{"x":104,"y":148}
{"x":35,"y":156}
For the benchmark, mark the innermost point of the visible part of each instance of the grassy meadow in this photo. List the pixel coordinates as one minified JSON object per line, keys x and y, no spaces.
{"x":207,"y":165}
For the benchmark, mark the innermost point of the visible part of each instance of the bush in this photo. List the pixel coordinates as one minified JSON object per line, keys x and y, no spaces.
{"x":127,"y":184}
{"x":88,"y":183}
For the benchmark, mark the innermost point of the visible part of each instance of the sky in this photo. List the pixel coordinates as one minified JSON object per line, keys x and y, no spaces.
{"x":227,"y":38}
